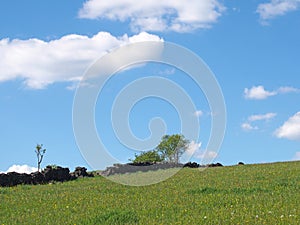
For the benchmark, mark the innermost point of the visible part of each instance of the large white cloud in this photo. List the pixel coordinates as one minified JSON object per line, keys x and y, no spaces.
{"x":260,"y":93}
{"x":40,"y":63}
{"x":290,"y":129}
{"x":21,"y":169}
{"x":156,"y":15}
{"x":276,"y":8}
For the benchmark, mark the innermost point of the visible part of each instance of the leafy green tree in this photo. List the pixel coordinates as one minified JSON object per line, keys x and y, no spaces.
{"x":149,"y":156}
{"x":40,"y":152}
{"x":172,"y":147}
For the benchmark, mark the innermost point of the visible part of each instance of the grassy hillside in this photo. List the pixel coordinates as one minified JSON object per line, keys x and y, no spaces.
{"x":251,"y":194}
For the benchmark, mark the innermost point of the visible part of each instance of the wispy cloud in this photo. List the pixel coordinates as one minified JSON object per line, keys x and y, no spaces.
{"x":283,"y":90}
{"x":275,"y":8}
{"x":290,"y":129}
{"x":40,"y":63}
{"x":248,"y":126}
{"x":156,"y":15}
{"x":266,"y":116}
{"x":260,"y":93}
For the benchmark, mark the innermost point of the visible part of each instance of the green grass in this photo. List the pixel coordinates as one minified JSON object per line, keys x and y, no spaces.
{"x":251,"y":194}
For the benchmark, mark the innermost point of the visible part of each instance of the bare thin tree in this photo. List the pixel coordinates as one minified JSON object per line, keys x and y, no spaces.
{"x":40,"y":152}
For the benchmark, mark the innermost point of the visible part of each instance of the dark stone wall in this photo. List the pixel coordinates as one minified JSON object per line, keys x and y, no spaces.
{"x":137,"y":167}
{"x":48,"y":175}
{"x":149,"y":166}
{"x":60,"y":174}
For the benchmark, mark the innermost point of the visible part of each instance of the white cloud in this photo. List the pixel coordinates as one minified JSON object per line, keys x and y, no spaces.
{"x":297,"y":156}
{"x":266,"y":116}
{"x":39,"y":63}
{"x":276,"y":8}
{"x":198,"y":113}
{"x":259,"y":92}
{"x":191,"y":151}
{"x":290,"y":129}
{"x":283,"y":90}
{"x":195,"y":151}
{"x":192,"y":148}
{"x":156,"y":15}
{"x":248,"y":127}
{"x":21,"y":169}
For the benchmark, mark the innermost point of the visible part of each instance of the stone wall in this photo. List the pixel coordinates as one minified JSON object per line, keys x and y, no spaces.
{"x":60,"y":174}
{"x":48,"y":175}
{"x":138,"y":167}
{"x":149,"y":166}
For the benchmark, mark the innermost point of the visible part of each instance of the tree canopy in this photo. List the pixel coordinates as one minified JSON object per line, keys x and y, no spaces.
{"x":170,"y":149}
{"x":149,"y":156}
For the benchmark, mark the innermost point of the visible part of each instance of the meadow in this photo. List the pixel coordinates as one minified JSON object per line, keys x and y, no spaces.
{"x":249,"y":194}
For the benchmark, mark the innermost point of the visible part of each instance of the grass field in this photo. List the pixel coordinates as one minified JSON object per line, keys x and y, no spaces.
{"x":250,"y":194}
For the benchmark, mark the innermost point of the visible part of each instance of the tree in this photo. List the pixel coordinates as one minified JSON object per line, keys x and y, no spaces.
{"x":172,"y":147}
{"x":149,"y":156}
{"x":40,"y":152}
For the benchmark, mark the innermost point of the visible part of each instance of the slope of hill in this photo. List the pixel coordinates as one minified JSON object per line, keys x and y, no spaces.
{"x":250,"y":194}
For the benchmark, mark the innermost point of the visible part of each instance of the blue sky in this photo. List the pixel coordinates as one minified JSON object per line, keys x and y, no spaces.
{"x":252,"y":47}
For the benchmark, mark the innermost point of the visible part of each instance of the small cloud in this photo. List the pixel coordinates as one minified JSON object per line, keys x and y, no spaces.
{"x":194,"y":151}
{"x":290,"y":129}
{"x":276,"y":8}
{"x":192,"y":148}
{"x":258,"y":93}
{"x":198,"y":113}
{"x":248,"y":127}
{"x":296,"y":156}
{"x":191,"y":151}
{"x":21,"y":169}
{"x":267,"y":116}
